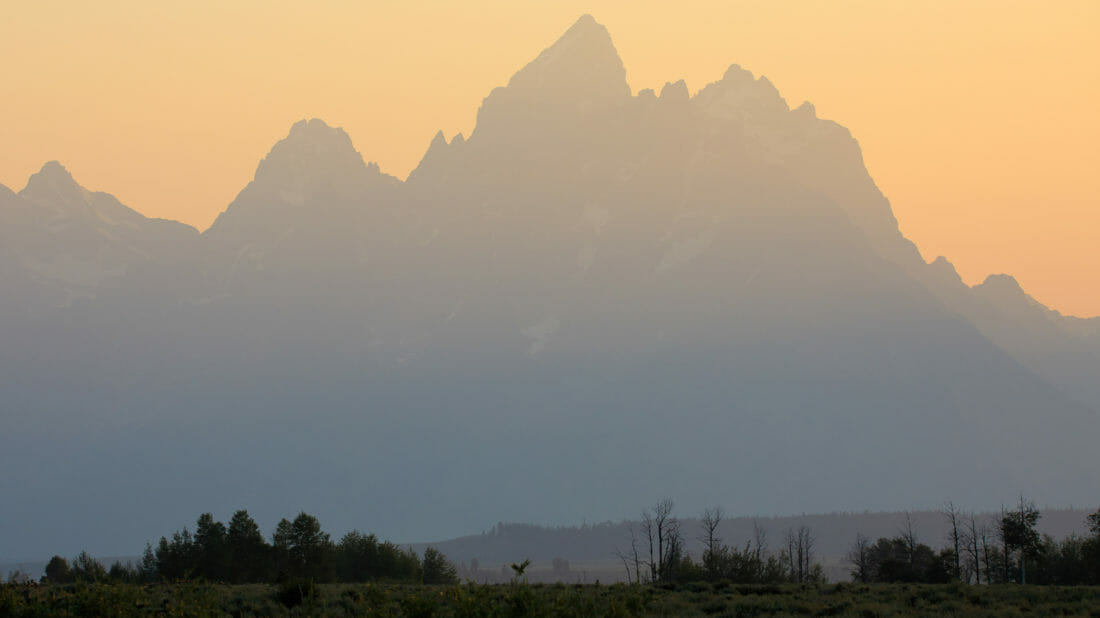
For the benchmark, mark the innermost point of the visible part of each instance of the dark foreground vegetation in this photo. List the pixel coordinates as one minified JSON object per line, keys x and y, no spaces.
{"x":1001,"y":567}
{"x":518,"y":599}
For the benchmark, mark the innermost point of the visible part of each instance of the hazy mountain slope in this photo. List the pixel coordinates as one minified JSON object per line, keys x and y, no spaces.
{"x":74,"y":243}
{"x":311,"y":201}
{"x":595,"y":300}
{"x":86,"y":281}
{"x":1064,"y":350}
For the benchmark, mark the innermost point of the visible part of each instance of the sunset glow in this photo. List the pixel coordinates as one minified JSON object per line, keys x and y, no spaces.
{"x":977,"y":120}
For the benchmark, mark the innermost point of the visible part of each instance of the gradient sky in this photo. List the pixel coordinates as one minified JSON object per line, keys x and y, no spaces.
{"x":978,"y":120}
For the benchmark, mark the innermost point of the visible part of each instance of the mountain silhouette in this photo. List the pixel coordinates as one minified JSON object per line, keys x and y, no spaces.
{"x":73,"y":243}
{"x":595,"y":299}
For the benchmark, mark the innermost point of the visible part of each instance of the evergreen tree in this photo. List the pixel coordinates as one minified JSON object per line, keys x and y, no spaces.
{"x":88,"y":569}
{"x":176,"y":558}
{"x":436,"y":569}
{"x":249,"y":554}
{"x":211,"y":549}
{"x":302,"y":548}
{"x":57,"y":571}
{"x":148,"y":570}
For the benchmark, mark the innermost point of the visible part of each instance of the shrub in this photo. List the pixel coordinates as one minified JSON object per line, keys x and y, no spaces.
{"x":292,"y":592}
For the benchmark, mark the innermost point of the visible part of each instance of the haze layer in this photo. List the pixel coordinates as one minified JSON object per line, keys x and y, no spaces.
{"x":594,"y":299}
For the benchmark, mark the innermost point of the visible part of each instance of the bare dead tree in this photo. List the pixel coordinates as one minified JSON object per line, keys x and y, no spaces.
{"x":791,"y":567}
{"x":806,"y":542}
{"x":710,"y":519}
{"x":674,"y":550}
{"x":973,"y":536}
{"x":662,"y":517}
{"x":649,"y":528}
{"x":759,"y":540}
{"x":858,"y":557}
{"x":626,"y":563}
{"x":631,"y":557}
{"x":634,"y":555}
{"x":712,"y":544}
{"x":952,"y":514}
{"x":657,"y":524}
{"x":800,"y":545}
{"x":909,"y":535}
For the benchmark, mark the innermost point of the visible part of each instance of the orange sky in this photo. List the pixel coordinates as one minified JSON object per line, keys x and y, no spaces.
{"x":979,"y":121}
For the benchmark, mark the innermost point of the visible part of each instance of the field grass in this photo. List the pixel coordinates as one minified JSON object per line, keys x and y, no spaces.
{"x":695,"y":599}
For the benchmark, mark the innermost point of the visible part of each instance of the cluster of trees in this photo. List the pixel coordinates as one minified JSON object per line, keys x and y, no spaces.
{"x":899,"y":559}
{"x":657,"y":553}
{"x":239,"y":553}
{"x":1004,"y":550}
{"x":754,"y":563}
{"x":981,"y":551}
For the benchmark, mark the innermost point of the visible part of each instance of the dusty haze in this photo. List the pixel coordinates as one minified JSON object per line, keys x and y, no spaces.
{"x":978,"y":120}
{"x":595,"y":297}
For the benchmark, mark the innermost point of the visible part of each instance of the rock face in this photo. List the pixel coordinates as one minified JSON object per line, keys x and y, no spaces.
{"x":595,"y":300}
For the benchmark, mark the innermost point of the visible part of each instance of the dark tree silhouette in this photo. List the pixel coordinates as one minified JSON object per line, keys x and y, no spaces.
{"x":249,"y":554}
{"x":57,"y":571}
{"x":211,"y":549}
{"x":1019,"y":534}
{"x":437,"y":569}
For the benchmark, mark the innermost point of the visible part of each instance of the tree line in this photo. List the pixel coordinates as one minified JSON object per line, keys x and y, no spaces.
{"x":657,"y":553}
{"x":979,"y":551}
{"x":239,"y":553}
{"x":997,"y":550}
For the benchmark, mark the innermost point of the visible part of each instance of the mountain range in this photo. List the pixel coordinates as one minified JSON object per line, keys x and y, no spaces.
{"x":597,"y":299}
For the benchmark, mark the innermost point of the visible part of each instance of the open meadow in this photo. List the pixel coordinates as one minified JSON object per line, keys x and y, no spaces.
{"x":693,"y":599}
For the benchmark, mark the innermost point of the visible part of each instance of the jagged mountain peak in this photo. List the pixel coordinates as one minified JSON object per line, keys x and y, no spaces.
{"x":944,"y":266}
{"x":740,"y":90}
{"x":943,"y":279}
{"x":583,"y":58}
{"x":675,"y":91}
{"x":580,"y":73}
{"x":1005,"y":291}
{"x":51,"y":182}
{"x":314,"y":168}
{"x":314,"y":137}
{"x":1002,"y":283}
{"x":435,"y":158}
{"x":311,"y":150}
{"x":316,"y":129}
{"x":587,"y":23}
{"x":439,"y":140}
{"x":55,"y":169}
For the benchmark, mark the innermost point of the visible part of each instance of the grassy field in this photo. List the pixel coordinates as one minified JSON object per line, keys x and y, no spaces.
{"x":699,"y":599}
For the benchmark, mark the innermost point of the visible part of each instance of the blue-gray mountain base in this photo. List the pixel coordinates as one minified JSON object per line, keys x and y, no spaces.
{"x":595,"y":300}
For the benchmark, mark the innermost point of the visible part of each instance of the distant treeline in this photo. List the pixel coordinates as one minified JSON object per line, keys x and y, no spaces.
{"x":239,"y":553}
{"x":1002,"y":550}
{"x":981,"y":551}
